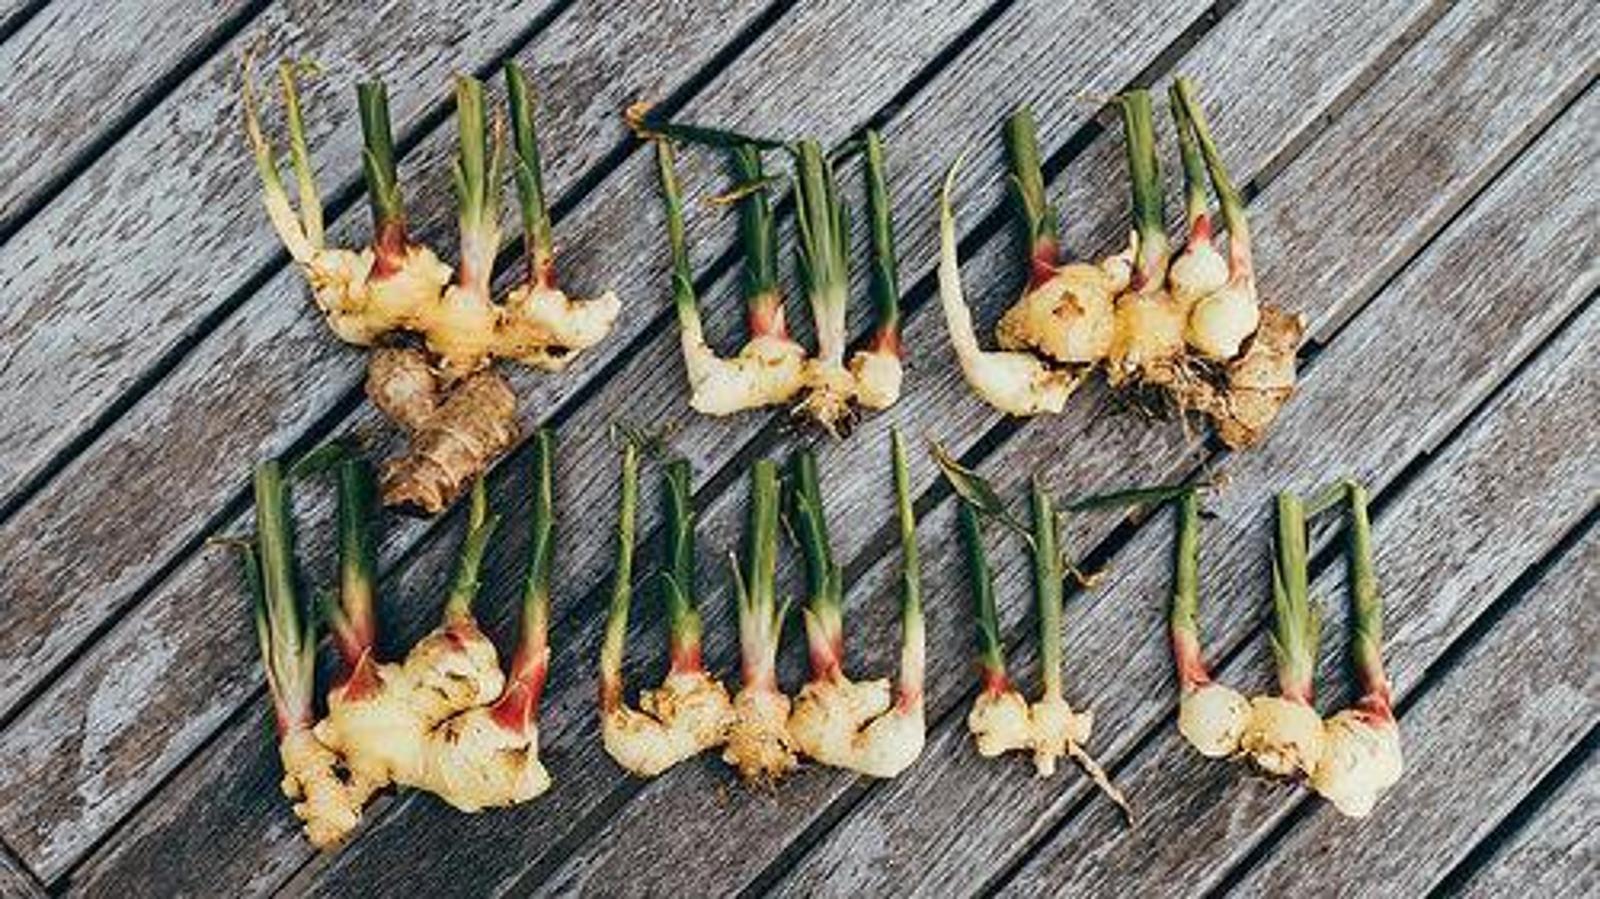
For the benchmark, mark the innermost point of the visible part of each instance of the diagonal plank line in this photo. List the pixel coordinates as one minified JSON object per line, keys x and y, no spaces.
{"x":143,"y":104}
{"x":1433,"y":675}
{"x":347,"y":404}
{"x":337,"y":201}
{"x":1114,"y":542}
{"x":16,"y":875}
{"x":1526,"y":812}
{"x":15,"y":22}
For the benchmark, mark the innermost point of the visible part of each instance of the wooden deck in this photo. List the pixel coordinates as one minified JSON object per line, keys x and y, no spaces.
{"x":1422,"y":177}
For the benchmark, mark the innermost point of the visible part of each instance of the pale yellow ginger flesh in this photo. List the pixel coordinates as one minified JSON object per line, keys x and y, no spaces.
{"x":1016,"y":383}
{"x":322,"y":800}
{"x":688,"y":714}
{"x":878,"y":375}
{"x":1002,"y":721}
{"x":1360,"y":759}
{"x":759,"y":745}
{"x":1198,"y":271}
{"x":546,"y":329}
{"x":1068,"y":318}
{"x":1223,"y":319}
{"x":382,"y":731}
{"x":1213,"y":718}
{"x":768,"y":371}
{"x":857,"y":725}
{"x":1149,"y":338}
{"x":1284,"y":738}
{"x":474,"y":762}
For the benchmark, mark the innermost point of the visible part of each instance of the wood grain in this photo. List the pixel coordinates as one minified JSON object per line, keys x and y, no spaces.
{"x":1451,"y":543}
{"x":131,"y":262}
{"x":1557,"y":854}
{"x":237,"y":658}
{"x":1502,"y":717}
{"x":16,"y":881}
{"x":77,"y":66}
{"x":1320,"y":430}
{"x":271,"y":371}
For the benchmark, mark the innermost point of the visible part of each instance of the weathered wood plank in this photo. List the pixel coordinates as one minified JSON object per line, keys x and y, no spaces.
{"x":130,"y":263}
{"x":596,"y":67}
{"x":1533,"y":678}
{"x":16,"y":881}
{"x":802,"y":38}
{"x":1452,"y":542}
{"x":1223,"y":61}
{"x":1557,"y":854}
{"x":930,"y":846}
{"x":75,"y":67}
{"x":273,"y":370}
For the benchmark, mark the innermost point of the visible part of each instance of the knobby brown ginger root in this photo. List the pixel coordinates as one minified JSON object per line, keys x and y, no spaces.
{"x":455,"y":431}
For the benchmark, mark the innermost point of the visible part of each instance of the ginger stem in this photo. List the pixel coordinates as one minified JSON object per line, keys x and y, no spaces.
{"x":300,"y":155}
{"x":1196,"y":209}
{"x":913,"y":631}
{"x":287,"y":635}
{"x":464,"y":582}
{"x":477,"y":181}
{"x":758,"y":237}
{"x":377,"y":163}
{"x":884,"y":283}
{"x":1040,"y":221}
{"x":683,"y":296}
{"x":1144,"y":170}
{"x":824,"y":253}
{"x":616,"y":638}
{"x":1183,"y":626}
{"x":678,"y":581}
{"x":355,"y":627}
{"x":538,"y":244}
{"x":991,"y":650}
{"x":533,"y":643}
{"x":760,"y":614}
{"x":1296,"y":623}
{"x":1233,"y":214}
{"x":1047,"y":581}
{"x":824,"y":612}
{"x":1366,"y":640}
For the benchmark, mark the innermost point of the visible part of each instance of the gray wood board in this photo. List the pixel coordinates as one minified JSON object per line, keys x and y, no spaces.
{"x":1321,"y":433}
{"x":1557,"y":854}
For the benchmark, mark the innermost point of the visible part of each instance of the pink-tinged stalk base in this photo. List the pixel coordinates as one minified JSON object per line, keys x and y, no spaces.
{"x":1186,"y":655}
{"x":765,"y":317}
{"x":1043,"y":260}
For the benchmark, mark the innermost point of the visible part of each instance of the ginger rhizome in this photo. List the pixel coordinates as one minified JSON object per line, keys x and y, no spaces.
{"x":325,"y":800}
{"x":690,"y":711}
{"x":1189,"y":328}
{"x":767,"y":370}
{"x":1361,"y":755}
{"x":772,"y":368}
{"x":373,"y":296}
{"x":1001,"y":719}
{"x":1065,"y":310}
{"x":864,"y":726}
{"x":445,"y":718}
{"x":1284,"y":735}
{"x":759,"y":745}
{"x":1212,"y":716}
{"x":1014,"y":382}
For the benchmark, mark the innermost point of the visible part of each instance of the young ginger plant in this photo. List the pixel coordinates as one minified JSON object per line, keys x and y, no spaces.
{"x":759,"y":744}
{"x":823,"y":262}
{"x":1065,"y":311}
{"x":542,"y":326}
{"x":1001,"y":719}
{"x":1256,"y":343}
{"x":878,"y":368}
{"x":1150,"y":320}
{"x":767,"y":370}
{"x":1212,"y":716}
{"x":1284,"y":735}
{"x":857,"y":725}
{"x":1361,"y":755}
{"x":690,"y":711}
{"x":1014,"y":382}
{"x":366,"y":293}
{"x":325,"y":800}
